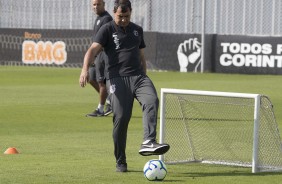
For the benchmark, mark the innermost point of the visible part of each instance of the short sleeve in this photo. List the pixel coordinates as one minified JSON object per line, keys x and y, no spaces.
{"x":142,"y":44}
{"x":102,"y":36}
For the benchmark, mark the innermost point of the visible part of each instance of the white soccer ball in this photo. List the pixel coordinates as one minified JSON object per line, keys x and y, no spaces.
{"x":155,"y":170}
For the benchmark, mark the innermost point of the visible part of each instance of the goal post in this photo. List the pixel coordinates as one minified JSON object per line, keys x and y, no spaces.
{"x":237,"y":129}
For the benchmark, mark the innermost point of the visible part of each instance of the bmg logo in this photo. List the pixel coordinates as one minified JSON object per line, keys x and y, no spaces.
{"x":44,"y":52}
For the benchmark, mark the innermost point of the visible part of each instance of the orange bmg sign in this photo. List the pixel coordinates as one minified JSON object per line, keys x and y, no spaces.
{"x":44,"y":52}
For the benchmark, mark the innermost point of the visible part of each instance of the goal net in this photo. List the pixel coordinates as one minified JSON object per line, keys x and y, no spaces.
{"x":234,"y":129}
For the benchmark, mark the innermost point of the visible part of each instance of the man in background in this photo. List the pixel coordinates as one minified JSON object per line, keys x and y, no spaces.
{"x":97,"y":67}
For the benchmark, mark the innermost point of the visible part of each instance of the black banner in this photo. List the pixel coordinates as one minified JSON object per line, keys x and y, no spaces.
{"x":164,"y":51}
{"x":172,"y":52}
{"x":248,"y":55}
{"x":182,"y":52}
{"x":46,"y":47}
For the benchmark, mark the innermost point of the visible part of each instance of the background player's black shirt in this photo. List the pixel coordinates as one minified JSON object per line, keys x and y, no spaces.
{"x":101,"y":20}
{"x":122,"y":48}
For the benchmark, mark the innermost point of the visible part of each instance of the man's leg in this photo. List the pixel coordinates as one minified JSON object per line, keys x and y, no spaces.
{"x":92,"y":78}
{"x":100,"y":77}
{"x":108,"y":109}
{"x":122,"y":103}
{"x":147,"y":96}
{"x":95,"y":85}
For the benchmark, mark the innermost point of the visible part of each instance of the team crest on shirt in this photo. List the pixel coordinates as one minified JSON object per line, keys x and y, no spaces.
{"x":135,"y":33}
{"x":98,"y":22}
{"x":112,"y":88}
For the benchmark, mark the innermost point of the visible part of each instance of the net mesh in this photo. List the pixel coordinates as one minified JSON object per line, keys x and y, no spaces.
{"x":219,"y":130}
{"x":270,"y":148}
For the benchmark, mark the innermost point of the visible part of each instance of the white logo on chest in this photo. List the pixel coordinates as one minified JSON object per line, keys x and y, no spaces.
{"x":135,"y":33}
{"x":116,"y":40}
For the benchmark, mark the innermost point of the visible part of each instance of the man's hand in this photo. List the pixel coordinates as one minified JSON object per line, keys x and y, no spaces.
{"x":83,"y":78}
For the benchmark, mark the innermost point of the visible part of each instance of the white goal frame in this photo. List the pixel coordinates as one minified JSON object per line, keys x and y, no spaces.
{"x":256,"y":98}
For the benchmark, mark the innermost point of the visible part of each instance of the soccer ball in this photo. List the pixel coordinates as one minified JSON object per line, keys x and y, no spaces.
{"x":155,"y":170}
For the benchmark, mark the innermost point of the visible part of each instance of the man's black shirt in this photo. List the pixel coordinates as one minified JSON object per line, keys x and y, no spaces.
{"x":122,"y":48}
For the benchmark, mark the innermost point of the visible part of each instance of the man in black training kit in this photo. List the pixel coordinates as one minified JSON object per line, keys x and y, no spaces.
{"x":123,"y":43}
{"x":97,"y":67}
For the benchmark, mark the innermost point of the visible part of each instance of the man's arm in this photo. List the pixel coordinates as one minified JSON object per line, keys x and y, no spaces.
{"x":143,"y":61}
{"x":89,"y":56}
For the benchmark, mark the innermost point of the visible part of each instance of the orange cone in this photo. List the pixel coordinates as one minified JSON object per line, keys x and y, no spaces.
{"x":11,"y":151}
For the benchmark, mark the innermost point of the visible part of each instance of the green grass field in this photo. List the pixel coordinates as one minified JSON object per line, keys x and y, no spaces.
{"x":42,"y":114}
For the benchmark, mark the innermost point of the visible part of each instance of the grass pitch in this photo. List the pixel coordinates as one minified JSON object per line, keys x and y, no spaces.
{"x":42,"y":114}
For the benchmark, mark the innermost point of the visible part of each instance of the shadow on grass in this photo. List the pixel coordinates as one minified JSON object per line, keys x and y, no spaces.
{"x":134,"y":171}
{"x":233,"y":173}
{"x":170,"y":181}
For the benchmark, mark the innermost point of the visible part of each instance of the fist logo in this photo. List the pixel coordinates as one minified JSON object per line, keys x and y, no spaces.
{"x":189,"y":52}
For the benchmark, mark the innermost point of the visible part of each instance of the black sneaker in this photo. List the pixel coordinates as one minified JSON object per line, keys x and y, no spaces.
{"x":152,"y":148}
{"x":95,"y":113}
{"x":122,"y":167}
{"x":108,"y":110}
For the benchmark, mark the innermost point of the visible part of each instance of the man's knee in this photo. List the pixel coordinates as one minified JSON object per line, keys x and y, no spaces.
{"x":152,"y":100}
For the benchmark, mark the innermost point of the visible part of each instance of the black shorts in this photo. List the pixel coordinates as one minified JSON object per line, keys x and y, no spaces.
{"x":97,"y":71}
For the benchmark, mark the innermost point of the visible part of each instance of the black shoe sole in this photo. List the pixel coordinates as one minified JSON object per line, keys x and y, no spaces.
{"x":159,"y":151}
{"x":93,"y":116}
{"x":121,"y":170}
{"x":90,"y":115}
